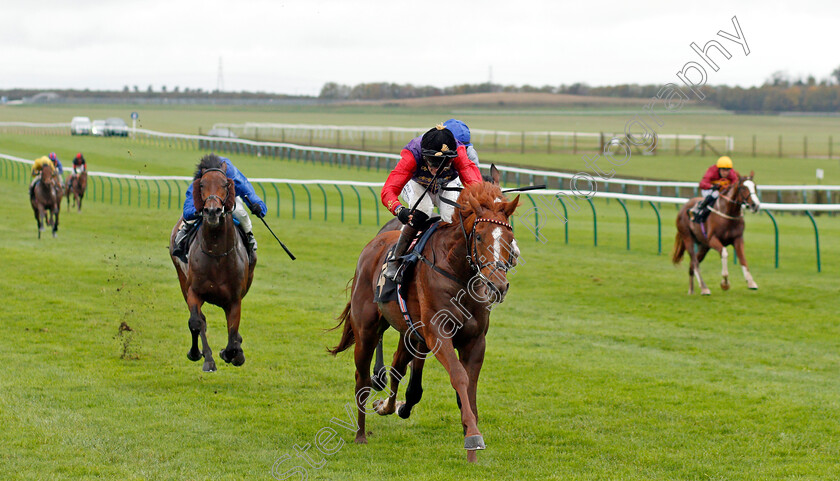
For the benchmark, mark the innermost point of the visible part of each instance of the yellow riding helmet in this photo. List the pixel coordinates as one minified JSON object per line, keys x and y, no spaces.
{"x":724,"y":163}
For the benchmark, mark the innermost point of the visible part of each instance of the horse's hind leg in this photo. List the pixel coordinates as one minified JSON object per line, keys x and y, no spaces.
{"x":55,"y":224}
{"x":414,"y":391}
{"x":472,"y":358}
{"x":233,"y":352}
{"x":398,"y":367}
{"x":366,"y":332}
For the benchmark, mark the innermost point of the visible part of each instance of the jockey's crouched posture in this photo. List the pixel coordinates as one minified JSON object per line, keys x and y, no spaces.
{"x":244,"y":195}
{"x":717,"y":177}
{"x":438,"y":157}
{"x":39,"y":164}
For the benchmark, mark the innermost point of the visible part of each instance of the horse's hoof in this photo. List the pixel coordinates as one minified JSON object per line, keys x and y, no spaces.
{"x":474,"y":443}
{"x":55,"y":234}
{"x":194,"y":355}
{"x":223,"y":355}
{"x":403,"y":410}
{"x":381,"y":407}
{"x":209,"y":366}
{"x":706,"y":292}
{"x":752,"y":286}
{"x":238,"y":360}
{"x":360,"y":440}
{"x":724,"y":286}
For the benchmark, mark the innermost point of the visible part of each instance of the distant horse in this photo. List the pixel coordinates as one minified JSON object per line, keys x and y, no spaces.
{"x":723,"y":227}
{"x":46,"y":196}
{"x":76,"y":187}
{"x":463,"y":256}
{"x":219,"y":270}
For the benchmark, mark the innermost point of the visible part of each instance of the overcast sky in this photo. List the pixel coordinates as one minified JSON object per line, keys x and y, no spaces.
{"x":295,"y":47}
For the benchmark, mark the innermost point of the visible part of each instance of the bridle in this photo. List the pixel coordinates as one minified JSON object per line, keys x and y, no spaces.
{"x":214,"y":196}
{"x":734,"y":200}
{"x":476,"y":262}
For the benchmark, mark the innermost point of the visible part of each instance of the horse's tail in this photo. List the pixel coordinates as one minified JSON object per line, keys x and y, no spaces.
{"x":347,"y":338}
{"x":679,"y":249}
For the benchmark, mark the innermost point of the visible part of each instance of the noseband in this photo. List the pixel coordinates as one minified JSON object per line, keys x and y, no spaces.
{"x":475,"y":261}
{"x":227,"y":192}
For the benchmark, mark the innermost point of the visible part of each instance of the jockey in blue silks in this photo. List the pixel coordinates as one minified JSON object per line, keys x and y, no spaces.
{"x":462,"y":134}
{"x":245,"y":196}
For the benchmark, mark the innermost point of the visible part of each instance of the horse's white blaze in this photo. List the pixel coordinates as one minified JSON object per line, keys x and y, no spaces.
{"x":515,"y":249}
{"x":753,"y":195}
{"x":497,"y":234}
{"x":724,"y":255}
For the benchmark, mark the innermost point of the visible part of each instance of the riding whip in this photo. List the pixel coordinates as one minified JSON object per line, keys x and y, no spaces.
{"x":278,"y":240}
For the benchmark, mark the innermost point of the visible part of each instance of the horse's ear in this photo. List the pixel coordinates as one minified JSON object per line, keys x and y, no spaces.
{"x":752,"y":174}
{"x":494,"y":174}
{"x":511,"y":206}
{"x":198,"y":201}
{"x":231,"y":196}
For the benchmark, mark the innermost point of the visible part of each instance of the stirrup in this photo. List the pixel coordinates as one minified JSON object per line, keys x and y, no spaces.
{"x":252,"y":241}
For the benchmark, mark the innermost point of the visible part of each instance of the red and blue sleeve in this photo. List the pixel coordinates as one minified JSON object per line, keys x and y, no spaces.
{"x":397,"y":179}
{"x":467,"y":170}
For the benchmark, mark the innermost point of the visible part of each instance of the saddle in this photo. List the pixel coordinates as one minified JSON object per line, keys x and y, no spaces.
{"x":182,"y":250}
{"x":386,"y":289}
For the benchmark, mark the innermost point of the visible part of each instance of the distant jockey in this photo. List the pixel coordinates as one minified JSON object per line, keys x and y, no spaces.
{"x":717,"y":177}
{"x":462,"y":134}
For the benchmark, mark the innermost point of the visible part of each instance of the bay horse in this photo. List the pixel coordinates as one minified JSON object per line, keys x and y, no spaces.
{"x":463,"y":256}
{"x":76,"y":187}
{"x":46,"y":196}
{"x":219,"y":270}
{"x":723,"y":227}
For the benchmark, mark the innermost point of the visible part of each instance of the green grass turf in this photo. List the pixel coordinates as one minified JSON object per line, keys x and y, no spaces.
{"x":599,"y":366}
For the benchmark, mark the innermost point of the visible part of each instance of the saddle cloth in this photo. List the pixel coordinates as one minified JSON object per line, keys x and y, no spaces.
{"x":386,"y":289}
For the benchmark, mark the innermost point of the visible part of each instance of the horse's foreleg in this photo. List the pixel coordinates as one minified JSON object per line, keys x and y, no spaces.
{"x":55,"y":222}
{"x":689,"y":248}
{"x":233,"y":352}
{"x":739,"y":250}
{"x":460,"y":381}
{"x":414,"y":391}
{"x":472,"y":358}
{"x":198,"y":319}
{"x":717,"y":245}
{"x":695,"y":262}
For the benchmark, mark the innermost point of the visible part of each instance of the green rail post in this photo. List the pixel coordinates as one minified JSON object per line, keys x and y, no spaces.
{"x":325,"y":200}
{"x":277,"y":193}
{"x":178,"y":186}
{"x":565,"y":217}
{"x":375,"y":203}
{"x":359,"y":199}
{"x":262,"y":189}
{"x":119,"y":183}
{"x":341,"y":195}
{"x":627,"y":217}
{"x":93,"y":194}
{"x":128,"y":183}
{"x":168,"y":194}
{"x":594,"y":222}
{"x":658,"y":229}
{"x":111,"y":188}
{"x":139,"y":198}
{"x":776,"y":234}
{"x":309,"y":197}
{"x":294,"y":209}
{"x":816,"y":237}
{"x":148,"y":195}
{"x":157,"y":185}
{"x":536,"y":218}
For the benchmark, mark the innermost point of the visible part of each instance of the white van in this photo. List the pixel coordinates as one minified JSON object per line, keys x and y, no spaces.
{"x":80,"y":126}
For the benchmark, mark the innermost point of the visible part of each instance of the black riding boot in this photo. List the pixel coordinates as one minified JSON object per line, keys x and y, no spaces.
{"x":702,"y":210}
{"x":181,"y":248}
{"x":406,"y":236}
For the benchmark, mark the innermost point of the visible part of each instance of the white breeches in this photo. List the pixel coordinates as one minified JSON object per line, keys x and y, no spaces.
{"x":412,"y":191}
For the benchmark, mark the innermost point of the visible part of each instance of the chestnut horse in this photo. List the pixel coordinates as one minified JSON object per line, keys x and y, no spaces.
{"x":724,"y":226}
{"x":46,"y":196}
{"x":463,"y":256}
{"x":219,"y":270}
{"x":76,"y":187}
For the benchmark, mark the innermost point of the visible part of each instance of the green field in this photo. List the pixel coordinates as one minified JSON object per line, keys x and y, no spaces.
{"x":598,"y":365}
{"x":769,"y":167}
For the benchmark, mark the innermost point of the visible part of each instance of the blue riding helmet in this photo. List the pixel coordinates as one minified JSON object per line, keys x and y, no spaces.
{"x":459,"y":130}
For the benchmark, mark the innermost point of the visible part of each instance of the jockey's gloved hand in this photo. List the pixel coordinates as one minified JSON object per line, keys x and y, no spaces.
{"x":256,"y":209}
{"x":403,"y":214}
{"x":418,"y":219}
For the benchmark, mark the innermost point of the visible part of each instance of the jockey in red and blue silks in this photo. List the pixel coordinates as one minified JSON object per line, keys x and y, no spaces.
{"x":437,"y":156}
{"x":245,"y":195}
{"x":462,"y":134}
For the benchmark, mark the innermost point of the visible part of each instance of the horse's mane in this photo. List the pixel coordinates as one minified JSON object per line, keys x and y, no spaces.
{"x":210,"y":161}
{"x":485,"y":194}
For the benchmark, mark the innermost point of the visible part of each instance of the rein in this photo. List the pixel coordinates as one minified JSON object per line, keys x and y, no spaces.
{"x":472,"y":251}
{"x":731,"y":201}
